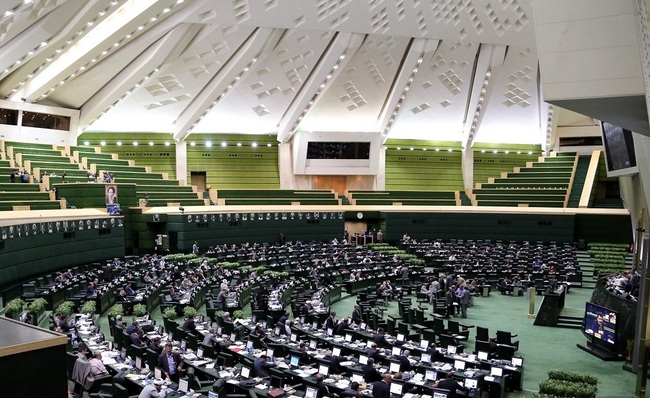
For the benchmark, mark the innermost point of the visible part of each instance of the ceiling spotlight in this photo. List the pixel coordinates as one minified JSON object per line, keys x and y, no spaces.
{"x":224,"y":143}
{"x":192,"y":143}
{"x":239,"y":144}
{"x":254,"y":144}
{"x":269,"y":144}
{"x":86,"y":143}
{"x":166,"y":143}
{"x":119,"y":143}
{"x":150,"y":143}
{"x":208,"y":144}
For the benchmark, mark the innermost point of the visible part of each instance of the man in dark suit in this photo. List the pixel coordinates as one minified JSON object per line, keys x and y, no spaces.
{"x":190,"y":325}
{"x":380,"y":340}
{"x":330,"y":322}
{"x":381,"y":389}
{"x":436,"y":356}
{"x":356,"y":314}
{"x":262,"y":366}
{"x":373,"y":352}
{"x":340,"y":328}
{"x":171,"y":363}
{"x":404,"y":363}
{"x":448,"y":383}
{"x":304,"y":357}
{"x":370,"y":374}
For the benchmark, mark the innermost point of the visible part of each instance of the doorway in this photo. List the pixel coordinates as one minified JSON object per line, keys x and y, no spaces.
{"x":197,"y":178}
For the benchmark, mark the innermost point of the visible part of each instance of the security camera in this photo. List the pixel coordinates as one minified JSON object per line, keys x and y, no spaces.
{"x":182,"y":209}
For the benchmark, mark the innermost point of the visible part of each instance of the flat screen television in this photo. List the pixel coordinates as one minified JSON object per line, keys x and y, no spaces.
{"x":600,"y":324}
{"x":113,"y":210}
{"x":619,"y":150}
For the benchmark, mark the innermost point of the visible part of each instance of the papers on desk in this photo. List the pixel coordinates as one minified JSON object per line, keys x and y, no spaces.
{"x":108,"y":360}
{"x":199,"y":363}
{"x":121,"y":366}
{"x":210,"y":365}
{"x":488,"y":378}
{"x":190,"y":357}
{"x":347,"y":363}
{"x":282,"y":365}
{"x":306,"y":372}
{"x":261,"y":386}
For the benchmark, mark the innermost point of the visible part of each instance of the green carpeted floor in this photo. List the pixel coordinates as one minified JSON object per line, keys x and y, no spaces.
{"x":543,"y":348}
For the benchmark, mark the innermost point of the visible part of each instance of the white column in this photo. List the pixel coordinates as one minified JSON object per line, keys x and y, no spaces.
{"x":380,"y":179}
{"x":181,"y":162}
{"x":467,"y":166}
{"x":285,"y":166}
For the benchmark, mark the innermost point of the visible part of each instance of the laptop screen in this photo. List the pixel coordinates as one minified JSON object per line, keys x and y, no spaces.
{"x":324,"y":370}
{"x":496,"y":371}
{"x":482,"y":355}
{"x":348,"y":338}
{"x":430,"y":375}
{"x":357,"y":377}
{"x":425,"y":358}
{"x":313,"y":344}
{"x":157,"y":373}
{"x":396,"y":351}
{"x":294,"y":337}
{"x":424,"y":344}
{"x":394,"y":367}
{"x":396,"y":388}
{"x":517,"y":361}
{"x":471,"y":383}
{"x":138,"y":363}
{"x":400,"y":337}
{"x":451,"y":349}
{"x":245,"y":372}
{"x":336,"y":352}
{"x":295,"y":361}
{"x":199,"y":352}
{"x":459,"y":365}
{"x":363,"y":359}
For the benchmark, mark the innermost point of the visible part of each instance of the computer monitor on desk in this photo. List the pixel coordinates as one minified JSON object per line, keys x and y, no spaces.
{"x":323,"y":369}
{"x":313,"y":344}
{"x":394,"y":367}
{"x":336,"y":351}
{"x":363,"y":359}
{"x":472,"y":384}
{"x":440,"y":393}
{"x":245,"y":372}
{"x":396,"y":351}
{"x":424,"y":344}
{"x":400,"y":337}
{"x":348,"y":338}
{"x":517,"y":361}
{"x":483,"y":356}
{"x":459,"y":365}
{"x":451,"y":349}
{"x":396,"y":388}
{"x":311,"y":392}
{"x":496,"y":371}
{"x":430,"y":375}
{"x":183,"y":385}
{"x":357,"y":377}
{"x":295,"y":361}
{"x":425,"y":358}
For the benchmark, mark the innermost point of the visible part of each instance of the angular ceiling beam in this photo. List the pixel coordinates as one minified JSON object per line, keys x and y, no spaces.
{"x":401,"y":85}
{"x":101,"y":37}
{"x":230,"y":75}
{"x":36,"y":38}
{"x":332,"y":61}
{"x":167,"y":48}
{"x":488,"y":66}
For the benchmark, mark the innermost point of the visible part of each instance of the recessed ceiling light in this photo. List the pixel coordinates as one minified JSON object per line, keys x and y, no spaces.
{"x":86,"y":143}
{"x":208,"y":144}
{"x":239,"y":144}
{"x":135,"y":143}
{"x":269,"y":145}
{"x":192,"y":143}
{"x":166,"y":143}
{"x":119,"y":143}
{"x":224,"y":143}
{"x":102,"y":143}
{"x":254,"y":144}
{"x":150,"y":143}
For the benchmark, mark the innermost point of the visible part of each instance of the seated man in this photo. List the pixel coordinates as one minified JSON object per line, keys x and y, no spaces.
{"x":262,"y":366}
{"x":189,"y":325}
{"x":97,"y":366}
{"x":370,"y":374}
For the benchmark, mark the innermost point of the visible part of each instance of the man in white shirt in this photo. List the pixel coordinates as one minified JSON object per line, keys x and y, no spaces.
{"x":97,"y":366}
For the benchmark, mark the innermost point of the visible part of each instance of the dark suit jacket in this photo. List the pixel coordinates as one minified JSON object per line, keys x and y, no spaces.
{"x":374,"y":354}
{"x":164,"y":364}
{"x":380,"y":390}
{"x":380,"y":340}
{"x":404,"y":364}
{"x":189,"y":326}
{"x":370,"y":374}
{"x":356,"y":317}
{"x":452,"y":386}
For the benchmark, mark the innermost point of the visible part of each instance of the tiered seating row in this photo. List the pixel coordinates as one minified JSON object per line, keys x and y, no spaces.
{"x":417,"y":198}
{"x":544,"y":183}
{"x":225,"y":197}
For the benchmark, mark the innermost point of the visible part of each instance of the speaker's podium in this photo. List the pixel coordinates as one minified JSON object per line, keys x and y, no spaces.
{"x":32,"y":361}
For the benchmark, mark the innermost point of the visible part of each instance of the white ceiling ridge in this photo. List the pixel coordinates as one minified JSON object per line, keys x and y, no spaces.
{"x":86,"y":48}
{"x":331,"y":63}
{"x":166,"y":48}
{"x":228,"y":76}
{"x":488,"y":66}
{"x":404,"y":76}
{"x":37,"y":39}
